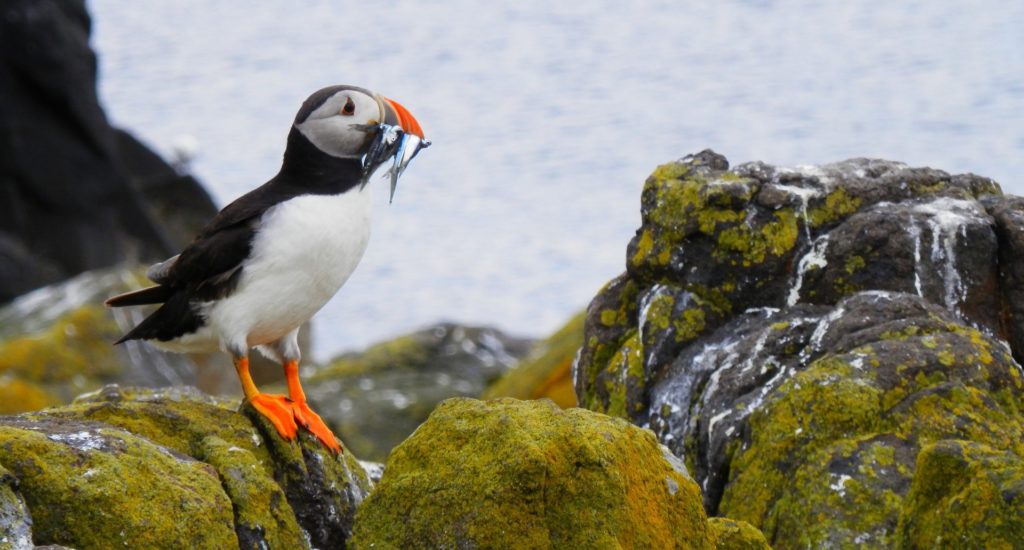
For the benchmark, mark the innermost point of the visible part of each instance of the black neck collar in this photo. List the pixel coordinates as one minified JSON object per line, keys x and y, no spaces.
{"x":310,"y":167}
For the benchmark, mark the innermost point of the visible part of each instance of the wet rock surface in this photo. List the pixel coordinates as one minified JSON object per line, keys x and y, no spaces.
{"x":163,"y":468}
{"x":527,"y":474}
{"x":803,"y":338}
{"x":376,"y":398}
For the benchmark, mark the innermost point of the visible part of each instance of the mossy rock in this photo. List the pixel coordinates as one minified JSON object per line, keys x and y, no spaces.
{"x":89,"y":485}
{"x":834,"y":456}
{"x":730,"y":534}
{"x":715,"y":242}
{"x":546,"y":372}
{"x":528,"y":474}
{"x":965,"y":495}
{"x":275,"y":493}
{"x":375,"y":398}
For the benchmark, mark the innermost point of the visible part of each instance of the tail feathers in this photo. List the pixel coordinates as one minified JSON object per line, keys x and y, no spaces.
{"x":175,"y":318}
{"x":153,"y":295}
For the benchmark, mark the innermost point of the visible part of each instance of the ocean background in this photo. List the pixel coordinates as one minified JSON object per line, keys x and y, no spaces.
{"x":547,"y":117}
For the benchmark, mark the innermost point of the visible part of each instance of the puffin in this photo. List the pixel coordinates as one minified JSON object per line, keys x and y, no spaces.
{"x":272,"y":258}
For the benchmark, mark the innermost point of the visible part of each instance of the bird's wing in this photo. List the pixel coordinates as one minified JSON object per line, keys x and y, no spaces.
{"x":210,"y":265}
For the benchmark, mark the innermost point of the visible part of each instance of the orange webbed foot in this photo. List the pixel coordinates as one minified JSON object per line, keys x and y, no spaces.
{"x":312,"y":422}
{"x":277,"y":409}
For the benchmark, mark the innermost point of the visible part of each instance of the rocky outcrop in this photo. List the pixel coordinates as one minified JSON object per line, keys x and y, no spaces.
{"x":376,"y":398}
{"x":526,"y":474}
{"x":546,"y":371}
{"x":169,"y":468}
{"x":77,"y":194}
{"x":808,"y":339}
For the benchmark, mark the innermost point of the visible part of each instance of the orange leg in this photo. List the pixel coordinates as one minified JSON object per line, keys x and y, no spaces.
{"x":276,"y":408}
{"x":305,"y":415}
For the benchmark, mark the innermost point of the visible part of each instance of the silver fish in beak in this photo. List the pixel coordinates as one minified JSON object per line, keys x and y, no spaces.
{"x":391,"y":143}
{"x":409,"y":146}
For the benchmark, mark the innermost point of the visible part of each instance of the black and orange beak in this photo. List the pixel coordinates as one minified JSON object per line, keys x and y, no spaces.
{"x":402,"y":117}
{"x":399,"y":138}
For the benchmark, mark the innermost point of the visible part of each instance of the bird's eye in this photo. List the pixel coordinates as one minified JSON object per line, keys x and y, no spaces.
{"x":349,"y":109}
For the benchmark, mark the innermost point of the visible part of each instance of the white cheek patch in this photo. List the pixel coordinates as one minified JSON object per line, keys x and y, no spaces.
{"x":334,"y":136}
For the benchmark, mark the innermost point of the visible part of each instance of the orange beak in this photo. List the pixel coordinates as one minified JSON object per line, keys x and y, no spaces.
{"x":405,"y":119}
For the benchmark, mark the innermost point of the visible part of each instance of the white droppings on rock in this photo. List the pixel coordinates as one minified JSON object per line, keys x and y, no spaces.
{"x":673,"y":486}
{"x":819,"y":332}
{"x":645,"y":307}
{"x":804,"y":195}
{"x":915,"y":235}
{"x":839,"y":485}
{"x":814,"y":258}
{"x":718,"y":418}
{"x":947,"y":219}
{"x":83,"y":440}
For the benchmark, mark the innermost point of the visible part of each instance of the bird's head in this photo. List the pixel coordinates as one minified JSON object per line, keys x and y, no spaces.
{"x":349,"y":122}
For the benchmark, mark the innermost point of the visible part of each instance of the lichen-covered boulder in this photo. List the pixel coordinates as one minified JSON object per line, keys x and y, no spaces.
{"x":730,"y":534}
{"x":527,"y":474}
{"x":801,"y":337}
{"x":965,"y":495}
{"x":546,"y":372}
{"x":376,"y":398}
{"x":88,"y":485}
{"x":168,"y":468}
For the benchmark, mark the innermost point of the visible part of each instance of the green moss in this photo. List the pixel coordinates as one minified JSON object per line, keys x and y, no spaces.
{"x":626,"y":373}
{"x":753,"y":245}
{"x":965,"y":495}
{"x":644,"y":246}
{"x":659,"y":311}
{"x":89,"y":486}
{"x":730,"y":534}
{"x":811,"y":412}
{"x":690,"y":324}
{"x":506,"y":474}
{"x":853,"y":263}
{"x":837,"y":205}
{"x":261,"y":510}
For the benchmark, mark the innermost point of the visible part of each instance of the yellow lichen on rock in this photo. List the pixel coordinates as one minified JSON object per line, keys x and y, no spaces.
{"x":526,"y":474}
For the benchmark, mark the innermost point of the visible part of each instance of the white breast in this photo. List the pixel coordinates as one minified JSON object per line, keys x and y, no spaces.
{"x":304,"y":251}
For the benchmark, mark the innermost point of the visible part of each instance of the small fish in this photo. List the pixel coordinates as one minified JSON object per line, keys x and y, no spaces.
{"x":394,"y":144}
{"x":407,"y":150}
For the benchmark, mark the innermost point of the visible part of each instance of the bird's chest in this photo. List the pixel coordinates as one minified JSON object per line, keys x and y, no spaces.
{"x":308,"y":246}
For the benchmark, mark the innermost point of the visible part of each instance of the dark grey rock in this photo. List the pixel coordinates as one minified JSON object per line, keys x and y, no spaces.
{"x":74,"y":192}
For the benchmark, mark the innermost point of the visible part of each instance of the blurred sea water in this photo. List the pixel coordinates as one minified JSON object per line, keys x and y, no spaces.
{"x":547,"y":117}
